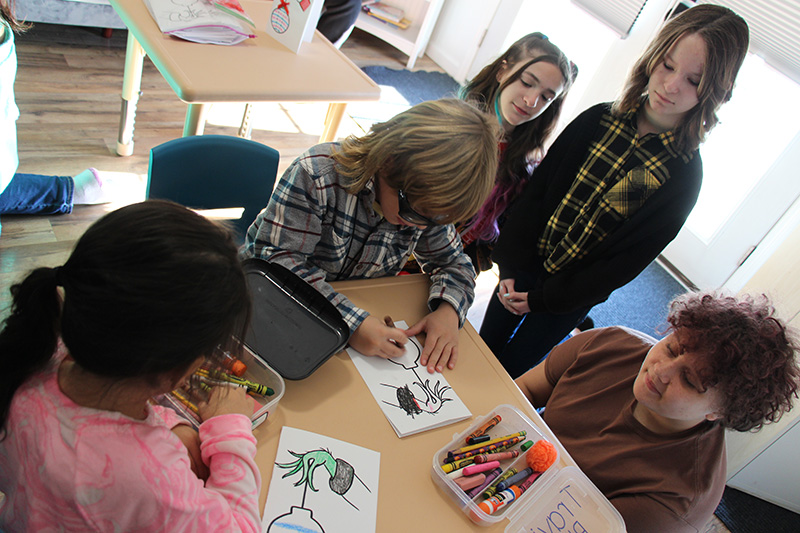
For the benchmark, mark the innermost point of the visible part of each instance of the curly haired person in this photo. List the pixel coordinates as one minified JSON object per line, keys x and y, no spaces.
{"x":645,"y":419}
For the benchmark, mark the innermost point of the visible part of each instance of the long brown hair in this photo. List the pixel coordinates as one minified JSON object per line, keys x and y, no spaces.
{"x":7,"y":13}
{"x":726,"y":36}
{"x":527,"y":140}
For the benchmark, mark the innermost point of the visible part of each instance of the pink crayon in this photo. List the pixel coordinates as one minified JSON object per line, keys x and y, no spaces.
{"x":490,"y":477}
{"x":500,"y":456}
{"x":475,"y":469}
{"x":470,"y":482}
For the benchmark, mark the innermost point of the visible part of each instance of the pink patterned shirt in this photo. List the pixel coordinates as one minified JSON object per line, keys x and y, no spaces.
{"x":64,"y":467}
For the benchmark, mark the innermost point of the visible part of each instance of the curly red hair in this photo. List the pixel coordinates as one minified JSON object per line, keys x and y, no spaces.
{"x":749,"y":354}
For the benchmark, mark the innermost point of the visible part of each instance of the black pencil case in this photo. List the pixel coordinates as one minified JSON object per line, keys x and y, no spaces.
{"x":293,"y":327}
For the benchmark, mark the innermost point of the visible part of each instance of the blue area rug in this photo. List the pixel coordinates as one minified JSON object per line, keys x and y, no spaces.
{"x":642,"y":304}
{"x":415,"y":87}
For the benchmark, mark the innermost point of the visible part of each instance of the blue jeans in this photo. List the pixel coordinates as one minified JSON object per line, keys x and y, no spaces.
{"x":521,"y":342}
{"x":34,"y":194}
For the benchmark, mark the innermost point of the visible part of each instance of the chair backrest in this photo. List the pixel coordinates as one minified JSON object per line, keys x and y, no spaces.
{"x":214,"y":172}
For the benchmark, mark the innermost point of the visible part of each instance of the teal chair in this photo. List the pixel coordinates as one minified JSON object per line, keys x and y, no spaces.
{"x":214,"y":172}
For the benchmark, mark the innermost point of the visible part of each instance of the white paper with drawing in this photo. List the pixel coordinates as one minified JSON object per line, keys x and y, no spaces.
{"x":198,"y":21}
{"x":412,"y":399}
{"x":341,"y":497}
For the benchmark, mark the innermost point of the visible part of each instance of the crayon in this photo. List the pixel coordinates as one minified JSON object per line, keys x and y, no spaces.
{"x":498,"y":456}
{"x":491,"y":448}
{"x":185,"y":401}
{"x":500,"y":500}
{"x":389,"y":322}
{"x":490,"y":477}
{"x":492,"y":422}
{"x":525,"y":485}
{"x":252,"y":386}
{"x":479,"y":440}
{"x":488,"y":447}
{"x":480,"y":445}
{"x":475,"y":469}
{"x":522,"y":475}
{"x":492,"y":490}
{"x":456,"y":465}
{"x":470,"y":482}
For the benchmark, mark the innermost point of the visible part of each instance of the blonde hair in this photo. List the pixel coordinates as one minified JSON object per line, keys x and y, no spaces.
{"x":442,"y":153}
{"x":726,"y":36}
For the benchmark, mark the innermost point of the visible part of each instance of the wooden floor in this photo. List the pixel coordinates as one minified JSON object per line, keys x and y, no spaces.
{"x":68,"y":91}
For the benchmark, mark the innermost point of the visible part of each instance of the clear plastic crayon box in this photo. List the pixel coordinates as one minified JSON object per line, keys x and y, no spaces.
{"x":257,"y":371}
{"x":561,"y":499}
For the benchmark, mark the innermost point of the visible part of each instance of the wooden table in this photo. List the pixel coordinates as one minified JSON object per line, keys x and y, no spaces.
{"x":334,"y":401}
{"x":256,"y":70}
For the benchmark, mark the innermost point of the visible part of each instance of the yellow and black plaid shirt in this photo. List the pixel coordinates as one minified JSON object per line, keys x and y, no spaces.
{"x":621,"y":171}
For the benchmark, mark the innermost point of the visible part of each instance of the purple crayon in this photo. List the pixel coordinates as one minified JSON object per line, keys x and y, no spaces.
{"x":490,"y":477}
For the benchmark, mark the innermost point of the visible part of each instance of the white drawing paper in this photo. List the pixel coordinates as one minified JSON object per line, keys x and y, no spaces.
{"x":198,"y":21}
{"x":412,"y":399}
{"x":339,"y":497}
{"x":292,"y":22}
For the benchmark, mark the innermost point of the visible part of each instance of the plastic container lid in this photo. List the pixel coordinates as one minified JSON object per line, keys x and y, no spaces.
{"x":293,"y":327}
{"x":569,"y":501}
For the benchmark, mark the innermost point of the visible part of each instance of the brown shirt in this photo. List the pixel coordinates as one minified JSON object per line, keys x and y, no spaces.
{"x":657,"y":482}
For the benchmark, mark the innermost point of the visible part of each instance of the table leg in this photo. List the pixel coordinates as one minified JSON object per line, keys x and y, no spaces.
{"x":332,"y":121}
{"x":246,"y":129}
{"x":195,"y":121}
{"x":131,"y":85}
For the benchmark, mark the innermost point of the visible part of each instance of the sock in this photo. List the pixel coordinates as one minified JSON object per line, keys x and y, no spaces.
{"x":88,"y":188}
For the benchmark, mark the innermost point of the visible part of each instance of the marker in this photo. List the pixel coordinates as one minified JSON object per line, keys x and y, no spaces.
{"x":389,"y":322}
{"x":499,"y":456}
{"x":489,"y":424}
{"x":474,"y":469}
{"x":492,"y":490}
{"x":522,"y":475}
{"x":490,"y":477}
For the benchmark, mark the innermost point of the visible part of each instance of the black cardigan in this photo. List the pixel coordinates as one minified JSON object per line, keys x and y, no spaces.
{"x":616,"y":260}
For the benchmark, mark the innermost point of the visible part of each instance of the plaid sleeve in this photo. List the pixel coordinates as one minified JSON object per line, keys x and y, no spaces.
{"x":288,"y":230}
{"x":441,"y":255}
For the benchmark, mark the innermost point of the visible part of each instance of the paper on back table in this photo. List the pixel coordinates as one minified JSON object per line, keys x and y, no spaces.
{"x":411,"y":399}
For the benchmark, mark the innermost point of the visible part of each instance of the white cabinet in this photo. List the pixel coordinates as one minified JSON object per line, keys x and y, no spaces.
{"x":412,"y":40}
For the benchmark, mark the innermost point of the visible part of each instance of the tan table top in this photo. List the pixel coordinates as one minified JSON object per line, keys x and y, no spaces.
{"x":334,"y":401}
{"x":255,"y":70}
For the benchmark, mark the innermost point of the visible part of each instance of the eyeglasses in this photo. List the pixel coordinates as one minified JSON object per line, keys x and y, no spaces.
{"x":407,"y":213}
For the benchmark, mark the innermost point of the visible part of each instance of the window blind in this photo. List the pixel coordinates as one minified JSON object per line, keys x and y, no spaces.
{"x":619,"y":15}
{"x":774,"y":31}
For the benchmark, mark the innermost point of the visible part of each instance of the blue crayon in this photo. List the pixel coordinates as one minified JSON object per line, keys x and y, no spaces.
{"x":522,"y":475}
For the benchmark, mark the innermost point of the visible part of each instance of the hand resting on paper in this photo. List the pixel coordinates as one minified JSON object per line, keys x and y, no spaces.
{"x":441,"y":338}
{"x":374,"y":338}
